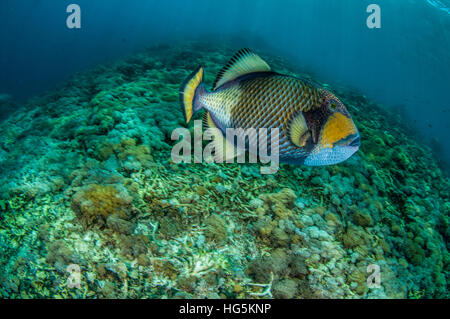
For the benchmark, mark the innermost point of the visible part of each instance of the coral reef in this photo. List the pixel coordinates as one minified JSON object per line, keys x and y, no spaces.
{"x":86,"y":179}
{"x":100,"y":204}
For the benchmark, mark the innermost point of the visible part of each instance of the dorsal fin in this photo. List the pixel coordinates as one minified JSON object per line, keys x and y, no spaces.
{"x":243,"y":62}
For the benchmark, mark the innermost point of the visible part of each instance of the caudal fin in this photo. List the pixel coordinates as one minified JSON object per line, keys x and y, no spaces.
{"x":189,"y":91}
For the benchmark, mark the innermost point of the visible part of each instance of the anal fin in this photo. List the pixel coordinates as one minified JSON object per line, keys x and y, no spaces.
{"x":224,"y":150}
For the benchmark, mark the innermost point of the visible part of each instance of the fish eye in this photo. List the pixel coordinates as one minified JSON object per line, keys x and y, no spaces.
{"x":333,"y":106}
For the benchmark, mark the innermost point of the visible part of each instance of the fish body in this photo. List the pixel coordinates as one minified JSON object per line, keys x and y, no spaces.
{"x":314,"y":126}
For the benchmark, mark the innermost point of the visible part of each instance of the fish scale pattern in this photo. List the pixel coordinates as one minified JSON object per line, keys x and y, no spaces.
{"x":267,"y":102}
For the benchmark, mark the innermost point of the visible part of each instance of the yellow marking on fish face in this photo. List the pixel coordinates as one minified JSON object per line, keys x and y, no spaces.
{"x":337,"y":127}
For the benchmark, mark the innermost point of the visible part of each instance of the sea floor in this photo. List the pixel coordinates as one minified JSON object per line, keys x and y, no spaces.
{"x":92,"y":206}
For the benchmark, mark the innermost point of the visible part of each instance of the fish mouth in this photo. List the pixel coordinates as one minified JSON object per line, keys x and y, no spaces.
{"x":356,"y":142}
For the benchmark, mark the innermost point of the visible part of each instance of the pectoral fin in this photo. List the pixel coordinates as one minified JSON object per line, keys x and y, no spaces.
{"x":298,"y":130}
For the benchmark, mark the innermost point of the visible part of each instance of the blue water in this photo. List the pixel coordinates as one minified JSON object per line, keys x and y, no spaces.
{"x":404,"y":65}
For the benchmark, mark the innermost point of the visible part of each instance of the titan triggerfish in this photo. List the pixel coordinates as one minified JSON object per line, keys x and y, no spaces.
{"x":314,"y":126}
